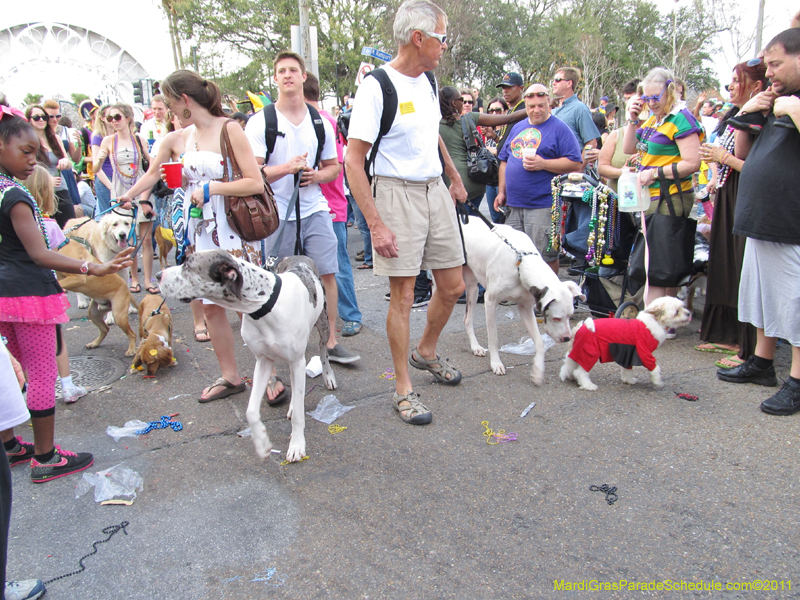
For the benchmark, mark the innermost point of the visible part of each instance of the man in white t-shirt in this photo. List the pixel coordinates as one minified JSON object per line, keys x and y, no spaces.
{"x":412,"y":217}
{"x":295,"y":149}
{"x":155,"y":128}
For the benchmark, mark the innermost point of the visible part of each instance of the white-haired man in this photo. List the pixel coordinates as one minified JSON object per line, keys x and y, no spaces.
{"x":411,"y":216}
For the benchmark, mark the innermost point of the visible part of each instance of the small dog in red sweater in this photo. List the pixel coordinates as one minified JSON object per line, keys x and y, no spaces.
{"x":628,"y":342}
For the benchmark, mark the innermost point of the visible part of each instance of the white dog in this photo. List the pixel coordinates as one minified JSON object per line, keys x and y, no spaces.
{"x":106,"y":238}
{"x":508,"y":265}
{"x":280,"y":311}
{"x":629,"y":342}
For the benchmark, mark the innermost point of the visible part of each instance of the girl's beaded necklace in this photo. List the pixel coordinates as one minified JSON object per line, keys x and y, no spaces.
{"x":127,"y":180}
{"x":6,"y":183}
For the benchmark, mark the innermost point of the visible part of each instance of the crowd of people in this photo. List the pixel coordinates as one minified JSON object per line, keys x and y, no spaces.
{"x":414,"y":141}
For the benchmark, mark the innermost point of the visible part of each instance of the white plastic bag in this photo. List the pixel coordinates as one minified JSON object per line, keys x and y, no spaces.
{"x":632,"y":196}
{"x":526,"y":346}
{"x":118,"y":482}
{"x":129,"y":430}
{"x":329,"y":409}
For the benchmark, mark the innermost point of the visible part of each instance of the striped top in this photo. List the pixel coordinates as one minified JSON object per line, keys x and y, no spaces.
{"x":662,"y":150}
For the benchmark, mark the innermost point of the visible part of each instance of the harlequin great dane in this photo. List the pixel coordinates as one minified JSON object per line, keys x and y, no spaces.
{"x":280,"y":311}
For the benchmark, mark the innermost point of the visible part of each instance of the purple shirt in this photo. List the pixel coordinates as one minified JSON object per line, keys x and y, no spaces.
{"x":96,"y":140}
{"x":552,"y":139}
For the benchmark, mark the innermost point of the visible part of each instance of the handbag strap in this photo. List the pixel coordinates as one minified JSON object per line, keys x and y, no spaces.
{"x":664,"y":189}
{"x":469,"y":134}
{"x":228,"y":155}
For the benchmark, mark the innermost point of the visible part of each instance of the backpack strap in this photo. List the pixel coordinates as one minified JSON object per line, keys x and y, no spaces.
{"x":319,"y":129}
{"x":271,"y":132}
{"x":389,"y":110}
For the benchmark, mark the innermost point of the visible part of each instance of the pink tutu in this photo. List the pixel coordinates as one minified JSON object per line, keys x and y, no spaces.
{"x":47,"y":310}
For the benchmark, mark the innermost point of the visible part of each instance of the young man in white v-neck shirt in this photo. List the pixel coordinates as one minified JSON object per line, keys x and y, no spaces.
{"x":293,"y":155}
{"x":408,"y":208}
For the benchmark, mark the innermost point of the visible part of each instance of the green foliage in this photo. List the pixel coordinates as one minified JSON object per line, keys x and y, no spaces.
{"x":32,"y":99}
{"x":610,"y":43}
{"x":77,"y":98}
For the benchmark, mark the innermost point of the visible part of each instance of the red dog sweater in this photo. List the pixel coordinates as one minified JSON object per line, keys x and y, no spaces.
{"x":603,"y":344}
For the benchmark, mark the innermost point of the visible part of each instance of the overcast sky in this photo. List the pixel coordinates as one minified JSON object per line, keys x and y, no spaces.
{"x":141,"y":29}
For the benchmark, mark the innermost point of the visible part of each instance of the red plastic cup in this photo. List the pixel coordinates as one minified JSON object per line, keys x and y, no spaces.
{"x":174,"y":173}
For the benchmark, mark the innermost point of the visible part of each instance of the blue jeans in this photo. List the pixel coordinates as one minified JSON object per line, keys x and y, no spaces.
{"x":363,"y":229}
{"x":348,"y":305}
{"x":491,"y":194}
{"x":103,"y":199}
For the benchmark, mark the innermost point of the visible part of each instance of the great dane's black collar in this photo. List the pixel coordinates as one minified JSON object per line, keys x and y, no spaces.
{"x":270,"y":303}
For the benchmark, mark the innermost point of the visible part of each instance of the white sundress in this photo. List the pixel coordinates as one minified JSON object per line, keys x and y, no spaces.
{"x":213,"y":231}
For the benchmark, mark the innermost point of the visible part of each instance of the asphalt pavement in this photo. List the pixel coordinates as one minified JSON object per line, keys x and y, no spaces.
{"x":706,"y":488}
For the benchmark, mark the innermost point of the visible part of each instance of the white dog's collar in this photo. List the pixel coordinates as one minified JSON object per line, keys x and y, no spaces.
{"x":267,"y":306}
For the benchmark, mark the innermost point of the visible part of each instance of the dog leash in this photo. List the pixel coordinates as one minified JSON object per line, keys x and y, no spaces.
{"x":465,"y":217}
{"x":158,"y":310}
{"x":272,"y":259}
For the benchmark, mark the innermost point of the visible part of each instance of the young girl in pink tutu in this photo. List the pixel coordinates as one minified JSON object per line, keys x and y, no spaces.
{"x":31,"y":301}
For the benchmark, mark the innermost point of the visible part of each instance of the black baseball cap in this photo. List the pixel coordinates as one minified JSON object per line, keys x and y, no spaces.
{"x":509,"y":79}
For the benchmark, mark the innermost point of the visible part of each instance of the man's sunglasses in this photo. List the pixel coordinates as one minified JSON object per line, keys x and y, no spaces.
{"x":536,"y":94}
{"x":442,"y":37}
{"x":557,"y":79}
{"x":465,"y":101}
{"x":38,"y":118}
{"x":647,"y":99}
{"x":112,"y":118}
{"x":53,"y":116}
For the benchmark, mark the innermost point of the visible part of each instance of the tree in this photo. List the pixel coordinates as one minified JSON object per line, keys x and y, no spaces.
{"x":32,"y":99}
{"x":77,"y":98}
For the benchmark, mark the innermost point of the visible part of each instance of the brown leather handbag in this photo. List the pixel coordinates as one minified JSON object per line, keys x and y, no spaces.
{"x":252,"y":217}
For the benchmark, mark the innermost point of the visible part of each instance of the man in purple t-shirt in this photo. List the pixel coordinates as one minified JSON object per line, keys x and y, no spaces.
{"x":536,"y":150}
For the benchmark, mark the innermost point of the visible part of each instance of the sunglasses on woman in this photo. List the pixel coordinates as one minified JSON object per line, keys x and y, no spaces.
{"x":648,"y":99}
{"x":38,"y":118}
{"x":496,"y":110}
{"x":112,"y":118}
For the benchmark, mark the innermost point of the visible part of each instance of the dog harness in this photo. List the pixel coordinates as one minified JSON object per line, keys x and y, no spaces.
{"x":615,"y":340}
{"x":270,"y":303}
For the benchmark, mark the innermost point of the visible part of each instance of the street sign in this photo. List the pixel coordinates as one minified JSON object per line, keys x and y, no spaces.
{"x":363,"y":69}
{"x":375,"y":53}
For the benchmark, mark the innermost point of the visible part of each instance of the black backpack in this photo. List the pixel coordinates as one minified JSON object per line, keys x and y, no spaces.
{"x":389,"y":110}
{"x":271,"y":132}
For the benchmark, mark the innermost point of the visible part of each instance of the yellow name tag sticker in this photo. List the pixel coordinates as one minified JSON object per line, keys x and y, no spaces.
{"x":406,"y":108}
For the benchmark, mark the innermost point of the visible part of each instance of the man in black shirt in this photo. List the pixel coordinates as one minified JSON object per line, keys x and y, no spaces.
{"x":768,"y":215}
{"x":512,"y":86}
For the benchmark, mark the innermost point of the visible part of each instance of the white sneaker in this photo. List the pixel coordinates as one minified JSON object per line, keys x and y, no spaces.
{"x":30,"y":589}
{"x":72,"y":395}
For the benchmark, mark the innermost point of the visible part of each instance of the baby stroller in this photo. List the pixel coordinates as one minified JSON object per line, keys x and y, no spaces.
{"x":600,"y":237}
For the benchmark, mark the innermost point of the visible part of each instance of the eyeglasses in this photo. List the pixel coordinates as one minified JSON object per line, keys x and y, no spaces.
{"x":557,"y":79}
{"x":112,"y":118}
{"x":536,"y":94}
{"x":38,"y":118}
{"x":465,"y":101}
{"x":496,"y":110}
{"x":648,"y":99}
{"x":754,"y":62}
{"x":54,"y":117}
{"x":442,"y":37}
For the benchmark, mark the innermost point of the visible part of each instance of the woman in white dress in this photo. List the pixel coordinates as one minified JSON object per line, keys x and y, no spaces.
{"x":198,"y":105}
